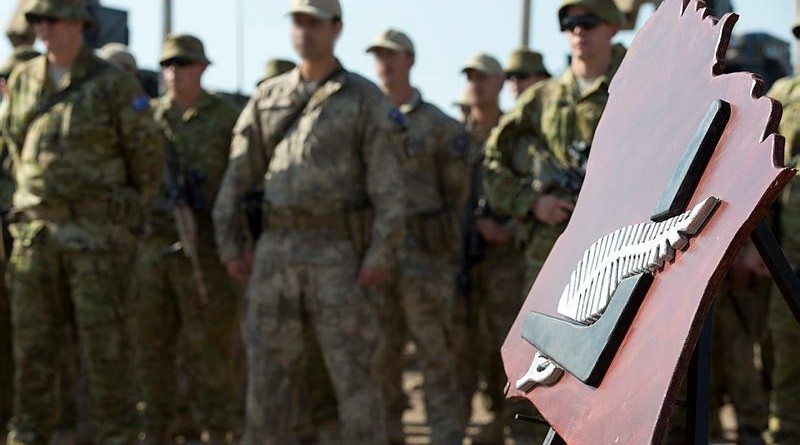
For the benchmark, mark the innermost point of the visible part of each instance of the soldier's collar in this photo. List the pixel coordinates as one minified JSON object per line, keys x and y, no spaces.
{"x":412,"y":103}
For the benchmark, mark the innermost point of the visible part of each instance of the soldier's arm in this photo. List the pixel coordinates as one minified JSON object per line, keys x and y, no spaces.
{"x":453,"y":166}
{"x":384,"y":181}
{"x":506,"y":190}
{"x":139,"y":139}
{"x":246,"y":167}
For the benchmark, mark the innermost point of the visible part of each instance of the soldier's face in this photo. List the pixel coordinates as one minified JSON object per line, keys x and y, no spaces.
{"x":314,"y":38}
{"x":57,"y":34}
{"x":182,"y":77}
{"x":482,"y":88}
{"x":518,"y":84}
{"x":588,"y":42}
{"x":392,"y":67}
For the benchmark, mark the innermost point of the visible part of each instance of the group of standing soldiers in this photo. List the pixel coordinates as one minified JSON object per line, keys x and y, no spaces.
{"x":378,"y":220}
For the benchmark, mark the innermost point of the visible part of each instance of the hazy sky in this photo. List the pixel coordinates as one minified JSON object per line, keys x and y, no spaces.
{"x":446,"y":33}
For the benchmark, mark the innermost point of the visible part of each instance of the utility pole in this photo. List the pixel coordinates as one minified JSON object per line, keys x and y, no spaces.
{"x":526,"y":24}
{"x":167,"y":19}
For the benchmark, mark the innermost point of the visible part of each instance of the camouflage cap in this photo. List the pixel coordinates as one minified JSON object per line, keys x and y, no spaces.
{"x":183,"y":46}
{"x":484,"y":63}
{"x":394,"y":40}
{"x":118,"y":54}
{"x":526,"y":62}
{"x":607,"y":10}
{"x":276,"y":67}
{"x":20,"y":54}
{"x":323,"y":9}
{"x":59,"y":9}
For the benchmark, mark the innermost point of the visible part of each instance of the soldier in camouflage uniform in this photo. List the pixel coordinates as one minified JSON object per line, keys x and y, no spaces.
{"x":87,"y":164}
{"x":196,"y":126}
{"x":420,"y":300}
{"x":493,"y":250}
{"x":20,"y":54}
{"x":550,"y":131}
{"x":525,"y":69}
{"x":276,"y":67}
{"x":784,"y":422}
{"x":324,"y":143}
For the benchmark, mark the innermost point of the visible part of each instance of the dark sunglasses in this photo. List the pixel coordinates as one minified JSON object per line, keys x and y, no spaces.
{"x":586,"y":21}
{"x":517,"y":76}
{"x":178,"y":62}
{"x":38,"y":19}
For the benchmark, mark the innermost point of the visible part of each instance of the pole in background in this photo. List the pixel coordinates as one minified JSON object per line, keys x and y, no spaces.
{"x":240,"y":46}
{"x":526,"y":24}
{"x":167,"y":19}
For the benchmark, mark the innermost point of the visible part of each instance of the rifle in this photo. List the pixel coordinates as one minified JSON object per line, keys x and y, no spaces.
{"x":557,"y":177}
{"x":185,"y":194}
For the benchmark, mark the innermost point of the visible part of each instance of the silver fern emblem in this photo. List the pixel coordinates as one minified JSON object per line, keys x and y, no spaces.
{"x":629,"y":251}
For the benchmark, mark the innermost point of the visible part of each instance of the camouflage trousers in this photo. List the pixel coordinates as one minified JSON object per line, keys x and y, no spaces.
{"x":784,"y":422}
{"x":6,"y":356}
{"x":739,"y":325}
{"x":420,"y":303}
{"x":52,"y":289}
{"x":166,"y":315}
{"x":283,"y":302}
{"x":498,"y":288}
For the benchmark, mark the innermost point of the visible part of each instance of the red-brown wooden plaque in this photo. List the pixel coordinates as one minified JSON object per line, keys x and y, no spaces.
{"x":661,"y":93}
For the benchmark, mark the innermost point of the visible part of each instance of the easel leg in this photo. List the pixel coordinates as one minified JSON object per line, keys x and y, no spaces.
{"x":778,"y":266}
{"x":698,"y":388}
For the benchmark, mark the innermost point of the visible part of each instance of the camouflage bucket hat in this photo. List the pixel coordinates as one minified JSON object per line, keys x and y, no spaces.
{"x":276,"y":67}
{"x":59,"y":9}
{"x":20,"y":54}
{"x":184,"y":46}
{"x":607,"y":10}
{"x":526,"y":62}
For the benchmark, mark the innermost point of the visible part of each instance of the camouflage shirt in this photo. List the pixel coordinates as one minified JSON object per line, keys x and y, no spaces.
{"x":552,"y":119}
{"x":97,"y":145}
{"x":787,"y":92}
{"x":340,"y":154}
{"x":198,"y":145}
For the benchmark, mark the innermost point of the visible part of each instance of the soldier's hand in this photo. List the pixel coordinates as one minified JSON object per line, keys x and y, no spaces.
{"x":240,"y":269}
{"x":370,"y":277}
{"x":492,"y":231}
{"x":552,"y":210}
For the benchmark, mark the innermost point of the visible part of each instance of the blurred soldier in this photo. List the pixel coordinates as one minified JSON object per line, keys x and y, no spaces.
{"x":548,"y":135}
{"x":784,"y":422}
{"x":20,"y":54}
{"x":87,"y":164}
{"x":463,"y":107}
{"x":525,"y":68}
{"x":420,"y":300}
{"x":196,"y":127}
{"x":324,"y":143}
{"x":118,"y":55}
{"x":493,"y":264}
{"x":276,"y":67}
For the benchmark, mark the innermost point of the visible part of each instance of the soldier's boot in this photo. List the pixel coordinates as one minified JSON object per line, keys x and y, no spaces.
{"x":493,"y":433}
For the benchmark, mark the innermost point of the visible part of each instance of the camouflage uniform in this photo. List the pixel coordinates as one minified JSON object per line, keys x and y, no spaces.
{"x":784,"y":424}
{"x":334,"y":165}
{"x":420,"y":302}
{"x":85,"y":171}
{"x":19,"y":55}
{"x":556,"y":122}
{"x":166,"y":305}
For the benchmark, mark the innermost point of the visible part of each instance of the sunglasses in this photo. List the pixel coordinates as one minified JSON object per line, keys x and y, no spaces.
{"x":586,"y":21}
{"x":39,"y":19}
{"x":517,"y":76}
{"x":178,"y":62}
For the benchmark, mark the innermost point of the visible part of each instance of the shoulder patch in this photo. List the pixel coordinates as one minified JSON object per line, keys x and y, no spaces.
{"x":140,"y":103}
{"x":398,"y":118}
